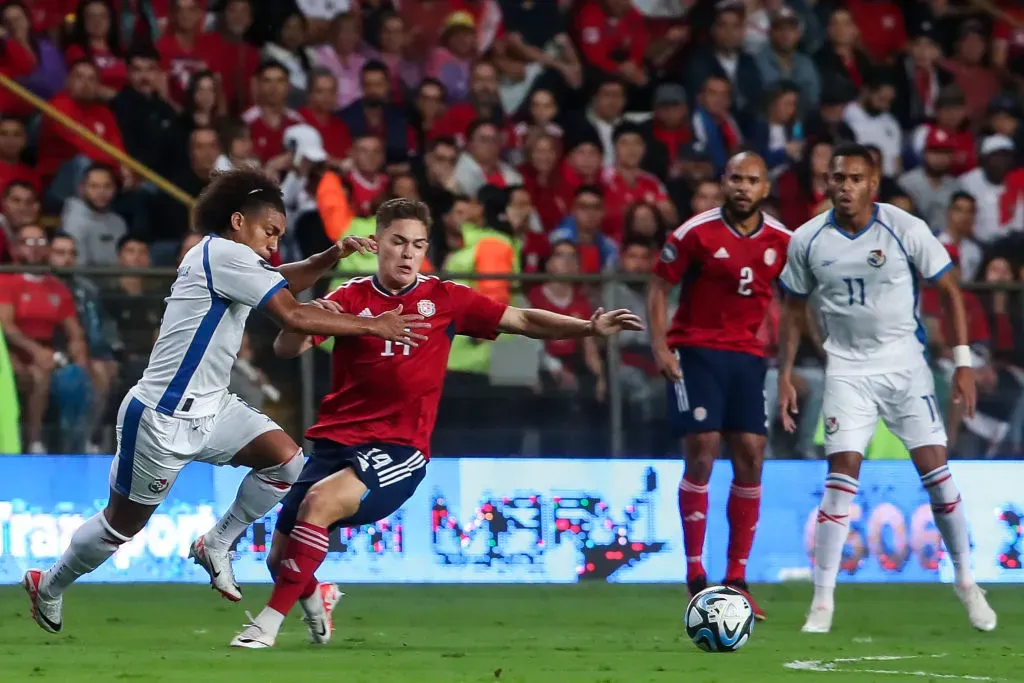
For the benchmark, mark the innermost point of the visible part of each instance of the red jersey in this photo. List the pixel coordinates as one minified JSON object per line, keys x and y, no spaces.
{"x":239,"y":62}
{"x":267,"y":140}
{"x":333,"y":131}
{"x":41,"y":303}
{"x":576,"y":305}
{"x":455,"y":122}
{"x":57,"y":144}
{"x":206,"y":54}
{"x":619,"y":195}
{"x":365,"y":192}
{"x":1010,"y":34}
{"x":606,"y":42}
{"x":882,"y":29}
{"x":381,"y":391}
{"x":113,"y":70}
{"x":19,"y":171}
{"x":727,"y":281}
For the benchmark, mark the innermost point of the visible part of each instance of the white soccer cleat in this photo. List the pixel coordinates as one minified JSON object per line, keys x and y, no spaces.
{"x":253,"y":636}
{"x":318,"y":613}
{"x":218,"y":566}
{"x":819,"y":619}
{"x":982,"y":616}
{"x":47,"y":612}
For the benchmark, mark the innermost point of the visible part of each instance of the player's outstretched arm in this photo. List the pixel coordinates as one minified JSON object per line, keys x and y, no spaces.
{"x":791,"y":322}
{"x":538,"y":324}
{"x":657,"y":313}
{"x":964,"y":392}
{"x":302,"y":275}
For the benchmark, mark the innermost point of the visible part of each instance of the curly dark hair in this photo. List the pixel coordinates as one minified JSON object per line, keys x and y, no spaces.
{"x":239,"y":191}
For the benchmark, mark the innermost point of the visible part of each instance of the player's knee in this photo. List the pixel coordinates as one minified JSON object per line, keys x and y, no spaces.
{"x":701,"y":451}
{"x":748,"y":458}
{"x":845,"y":462}
{"x":324,"y":506}
{"x":284,"y":474}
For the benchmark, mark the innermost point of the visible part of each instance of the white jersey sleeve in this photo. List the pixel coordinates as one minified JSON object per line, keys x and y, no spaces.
{"x":797,"y":277}
{"x":927,"y":254}
{"x":238,"y":274}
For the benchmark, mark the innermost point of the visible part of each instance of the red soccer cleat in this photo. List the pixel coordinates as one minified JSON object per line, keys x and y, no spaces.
{"x":741,"y":586}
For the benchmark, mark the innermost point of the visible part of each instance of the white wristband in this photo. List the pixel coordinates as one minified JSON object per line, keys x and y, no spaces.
{"x":962,"y":357}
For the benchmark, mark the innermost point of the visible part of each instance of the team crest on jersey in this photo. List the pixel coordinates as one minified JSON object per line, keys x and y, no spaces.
{"x":700,"y":413}
{"x":769,"y":257}
{"x":668,"y":253}
{"x":55,"y":300}
{"x":158,"y":485}
{"x":831,"y":425}
{"x":876,"y":258}
{"x":426,"y":308}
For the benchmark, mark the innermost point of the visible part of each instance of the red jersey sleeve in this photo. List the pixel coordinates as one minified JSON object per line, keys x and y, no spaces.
{"x":73,"y":54}
{"x":475,"y":314}
{"x":338,"y":296}
{"x":7,"y":289}
{"x":593,"y":43}
{"x":676,"y":255}
{"x":67,"y":303}
{"x":638,"y":46}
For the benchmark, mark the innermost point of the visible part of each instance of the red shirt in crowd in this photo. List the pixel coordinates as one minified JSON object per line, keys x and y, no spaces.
{"x":57,"y":144}
{"x":977,"y":322}
{"x":576,"y":305}
{"x":239,"y":62}
{"x":41,"y":303}
{"x":387,"y":392}
{"x":674,"y":140}
{"x":546,"y":196}
{"x":15,"y":60}
{"x":965,"y":157}
{"x":735,"y":272}
{"x":619,"y":195}
{"x":606,"y":42}
{"x":333,"y":132}
{"x":1012,"y":35}
{"x":113,"y":70}
{"x":179,"y":62}
{"x":456,"y":121}
{"x":883,"y":32}
{"x":19,"y":171}
{"x":46,"y":15}
{"x":365,"y":191}
{"x":570,"y":181}
{"x":534,"y":249}
{"x":796,"y":204}
{"x":268,"y":140}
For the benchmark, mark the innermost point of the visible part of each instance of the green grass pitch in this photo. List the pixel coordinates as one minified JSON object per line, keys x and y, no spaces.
{"x":591,"y":633}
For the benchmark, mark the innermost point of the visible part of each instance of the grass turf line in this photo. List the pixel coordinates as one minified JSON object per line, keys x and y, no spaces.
{"x":591,"y":633}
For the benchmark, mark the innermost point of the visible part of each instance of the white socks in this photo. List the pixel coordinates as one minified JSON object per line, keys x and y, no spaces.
{"x":258,"y":493}
{"x":90,"y":547}
{"x":830,"y":535}
{"x":951,"y":520}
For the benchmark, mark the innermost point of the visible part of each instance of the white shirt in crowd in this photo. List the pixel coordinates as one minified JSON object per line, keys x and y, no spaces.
{"x":883,"y":131}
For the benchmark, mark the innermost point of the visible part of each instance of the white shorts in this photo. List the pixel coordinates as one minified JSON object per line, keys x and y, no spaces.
{"x":904,"y":400}
{"x":152,"y":447}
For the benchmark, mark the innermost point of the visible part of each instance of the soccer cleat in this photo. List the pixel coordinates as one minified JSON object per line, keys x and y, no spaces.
{"x":318,"y":613}
{"x":253,"y":637}
{"x":47,"y":612}
{"x":819,"y":620}
{"x":982,"y":616}
{"x":741,"y":586}
{"x":696,"y":585}
{"x":218,"y":566}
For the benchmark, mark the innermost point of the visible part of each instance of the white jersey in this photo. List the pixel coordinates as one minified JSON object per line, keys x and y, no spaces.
{"x":866,"y":286}
{"x":218,"y":284}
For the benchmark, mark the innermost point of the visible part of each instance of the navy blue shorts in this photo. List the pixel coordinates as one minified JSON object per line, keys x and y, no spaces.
{"x":390,"y":473}
{"x":721,"y":391}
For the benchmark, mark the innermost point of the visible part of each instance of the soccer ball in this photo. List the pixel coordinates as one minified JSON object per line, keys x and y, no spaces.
{"x":719,"y":619}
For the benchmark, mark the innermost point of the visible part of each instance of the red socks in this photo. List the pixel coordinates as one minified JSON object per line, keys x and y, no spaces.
{"x":307,"y":548}
{"x":742,"y":512}
{"x":693,"y":512}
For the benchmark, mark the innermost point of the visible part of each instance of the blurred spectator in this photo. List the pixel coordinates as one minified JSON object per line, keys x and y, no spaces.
{"x":101,"y":339}
{"x":248,"y":382}
{"x":931,"y":185}
{"x":666,"y":133}
{"x":540,"y":119}
{"x":20,"y":208}
{"x":268,"y":118}
{"x":186,"y":49}
{"x":1008,"y":38}
{"x":202,"y":104}
{"x":543,"y":180}
{"x":31,"y":57}
{"x":344,"y":57}
{"x":13,"y":140}
{"x":95,"y":36}
{"x":978,"y":81}
{"x":135,"y":310}
{"x":427,"y":109}
{"x":644,"y":223}
{"x":301,"y":191}
{"x":63,"y":155}
{"x":778,"y":137}
{"x":148,"y":123}
{"x":374,"y":114}
{"x":89,"y":221}
{"x":191,"y":240}
{"x":725,"y":59}
{"x":318,"y":14}
{"x":802,"y":189}
{"x":841,"y":62}
{"x":171,"y":217}
{"x":403,"y":186}
{"x":289,"y":47}
{"x":871,"y":120}
{"x":235,"y":146}
{"x":921,"y":78}
{"x":901,"y":200}
{"x":521,"y":79}
{"x":883,"y":31}
{"x":959,"y":234}
{"x":406,"y":74}
{"x":595,"y":250}
{"x":435,"y":178}
{"x":781,"y":60}
{"x":625,"y":183}
{"x":951,"y":119}
{"x":715,"y":131}
{"x":613,"y":41}
{"x":706,"y":196}
{"x":33,"y":308}
{"x":480,"y":164}
{"x":484,"y":105}
{"x":827,"y":122}
{"x":985,"y":184}
{"x":473,"y":247}
{"x":941,"y":335}
{"x":582,"y":166}
{"x":510,"y":210}
{"x":319,"y":113}
{"x":887,"y":187}
{"x":604,"y":113}
{"x":239,"y":60}
{"x":1004,"y":118}
{"x":532,"y":28}
{"x":367,"y":177}
{"x":451,"y":61}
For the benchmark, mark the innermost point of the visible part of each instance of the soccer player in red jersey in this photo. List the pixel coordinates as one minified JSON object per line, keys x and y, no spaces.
{"x":372,"y":439}
{"x":726,"y":260}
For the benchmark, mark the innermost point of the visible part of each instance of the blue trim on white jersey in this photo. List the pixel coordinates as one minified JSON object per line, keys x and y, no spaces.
{"x":126,"y":453}
{"x":197,"y":348}
{"x":852,"y":236}
{"x":921,"y":333}
{"x":271,"y":292}
{"x":792,"y":292}
{"x":942,"y":271}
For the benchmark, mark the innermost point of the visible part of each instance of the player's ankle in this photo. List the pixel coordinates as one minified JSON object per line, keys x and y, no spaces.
{"x":824,"y":596}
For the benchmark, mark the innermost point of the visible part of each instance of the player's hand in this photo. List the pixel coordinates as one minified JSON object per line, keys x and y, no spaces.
{"x":327,"y":305}
{"x":396,"y":327}
{"x":352,"y":244}
{"x":613,"y":322}
{"x":668,"y":364}
{"x":788,"y":404}
{"x":965,"y":394}
{"x":601,"y":389}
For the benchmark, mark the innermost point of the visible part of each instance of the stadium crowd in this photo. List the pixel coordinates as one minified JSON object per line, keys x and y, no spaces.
{"x":547,"y":136}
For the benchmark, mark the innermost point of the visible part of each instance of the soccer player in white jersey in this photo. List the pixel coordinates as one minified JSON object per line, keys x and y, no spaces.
{"x":181,"y":411}
{"x":862,"y":261}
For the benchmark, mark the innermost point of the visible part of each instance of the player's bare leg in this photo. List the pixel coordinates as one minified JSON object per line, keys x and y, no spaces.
{"x":743,"y":509}
{"x":317,"y":599}
{"x":830,"y":534}
{"x":276,"y":462}
{"x":951,"y":520}
{"x":91,"y":545}
{"x":700,"y":451}
{"x":335,"y":497}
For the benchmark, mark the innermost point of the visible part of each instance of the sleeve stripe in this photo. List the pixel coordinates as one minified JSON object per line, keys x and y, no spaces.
{"x":792,"y":292}
{"x":942,"y":271}
{"x":271,"y":292}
